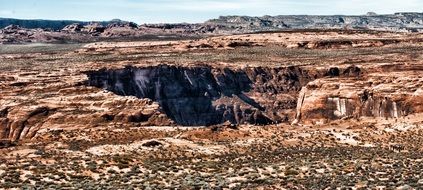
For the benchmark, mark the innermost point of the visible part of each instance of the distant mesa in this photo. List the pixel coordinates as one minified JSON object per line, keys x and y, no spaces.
{"x":51,"y":24}
{"x":23,"y":31}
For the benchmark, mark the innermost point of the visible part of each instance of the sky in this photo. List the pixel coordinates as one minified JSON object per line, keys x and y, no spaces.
{"x":193,"y":11}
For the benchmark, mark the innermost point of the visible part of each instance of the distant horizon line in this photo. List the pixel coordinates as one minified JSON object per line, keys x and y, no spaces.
{"x":117,"y":19}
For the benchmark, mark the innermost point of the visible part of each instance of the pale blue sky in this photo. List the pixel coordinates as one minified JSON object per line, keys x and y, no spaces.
{"x":172,"y":11}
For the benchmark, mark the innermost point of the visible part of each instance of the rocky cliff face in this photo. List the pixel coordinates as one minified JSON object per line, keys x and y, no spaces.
{"x":377,"y":95}
{"x":398,"y":22}
{"x":201,"y":95}
{"x":207,"y":96}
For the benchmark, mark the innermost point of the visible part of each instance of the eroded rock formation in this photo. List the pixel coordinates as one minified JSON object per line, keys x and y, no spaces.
{"x":406,"y":21}
{"x":190,"y":96}
{"x":259,"y":80}
{"x":207,"y":96}
{"x":378,"y":95}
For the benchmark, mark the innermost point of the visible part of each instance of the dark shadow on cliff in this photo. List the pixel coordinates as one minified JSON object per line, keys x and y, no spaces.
{"x":186,"y":95}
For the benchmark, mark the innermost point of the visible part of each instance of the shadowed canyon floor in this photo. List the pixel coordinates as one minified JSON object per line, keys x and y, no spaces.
{"x":286,"y":110}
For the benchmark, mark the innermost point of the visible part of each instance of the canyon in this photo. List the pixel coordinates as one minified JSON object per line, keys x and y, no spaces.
{"x":271,"y":110}
{"x":204,"y":94}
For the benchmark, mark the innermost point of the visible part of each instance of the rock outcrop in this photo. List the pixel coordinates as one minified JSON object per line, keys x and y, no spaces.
{"x":24,"y":122}
{"x":398,"y":22}
{"x":94,"y":29}
{"x":76,"y":27}
{"x":378,"y":95}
